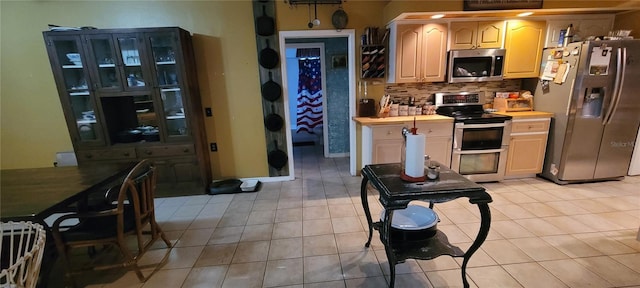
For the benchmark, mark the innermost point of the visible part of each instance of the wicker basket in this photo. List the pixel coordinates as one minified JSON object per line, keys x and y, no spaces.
{"x":21,"y":250}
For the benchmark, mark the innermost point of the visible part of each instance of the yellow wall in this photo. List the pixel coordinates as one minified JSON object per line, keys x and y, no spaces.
{"x":33,"y":127}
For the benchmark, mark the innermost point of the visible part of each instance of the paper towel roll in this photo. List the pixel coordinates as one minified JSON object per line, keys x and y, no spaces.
{"x":414,"y":155}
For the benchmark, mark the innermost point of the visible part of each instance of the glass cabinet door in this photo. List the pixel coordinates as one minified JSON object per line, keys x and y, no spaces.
{"x":132,"y":62}
{"x":131,"y":119}
{"x":102,"y":51}
{"x":164,"y":49}
{"x":80,"y":105}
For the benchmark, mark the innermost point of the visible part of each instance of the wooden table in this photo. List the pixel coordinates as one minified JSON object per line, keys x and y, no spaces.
{"x":396,"y":194}
{"x":35,"y":194}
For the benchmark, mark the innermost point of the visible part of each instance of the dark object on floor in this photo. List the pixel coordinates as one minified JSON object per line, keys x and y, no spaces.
{"x":304,"y":143}
{"x":225,"y":186}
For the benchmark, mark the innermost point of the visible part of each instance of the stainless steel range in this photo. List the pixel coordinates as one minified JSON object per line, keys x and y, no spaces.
{"x":480,"y":140}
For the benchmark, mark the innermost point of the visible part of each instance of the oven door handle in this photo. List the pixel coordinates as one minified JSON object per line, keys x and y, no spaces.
{"x":458,"y":151}
{"x":486,"y":125}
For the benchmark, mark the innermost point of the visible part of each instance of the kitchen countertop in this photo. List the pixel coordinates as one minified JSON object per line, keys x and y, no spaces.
{"x":401,"y":119}
{"x":526,"y":114}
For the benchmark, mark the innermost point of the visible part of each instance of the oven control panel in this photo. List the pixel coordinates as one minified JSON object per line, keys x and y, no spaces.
{"x":461,"y":98}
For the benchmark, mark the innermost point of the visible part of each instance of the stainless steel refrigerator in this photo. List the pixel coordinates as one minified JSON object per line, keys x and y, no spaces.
{"x":596,"y":109}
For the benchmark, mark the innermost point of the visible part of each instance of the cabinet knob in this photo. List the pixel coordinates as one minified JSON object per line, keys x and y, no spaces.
{"x":186,"y":150}
{"x":389,"y":132}
{"x":126,"y":154}
{"x":430,"y":131}
{"x":530,"y":127}
{"x":89,"y":156}
{"x":474,"y":46}
{"x":148,"y":152}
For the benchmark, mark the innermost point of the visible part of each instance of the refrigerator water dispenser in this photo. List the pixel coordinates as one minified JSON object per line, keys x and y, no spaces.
{"x":592,"y":102}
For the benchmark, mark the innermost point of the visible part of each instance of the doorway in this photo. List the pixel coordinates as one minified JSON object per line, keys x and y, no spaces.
{"x":306,"y":89}
{"x":312,"y":36}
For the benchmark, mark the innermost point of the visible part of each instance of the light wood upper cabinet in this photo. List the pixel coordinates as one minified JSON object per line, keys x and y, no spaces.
{"x":420,"y":53}
{"x":472,"y":35}
{"x":524,"y":41}
{"x":583,"y":28}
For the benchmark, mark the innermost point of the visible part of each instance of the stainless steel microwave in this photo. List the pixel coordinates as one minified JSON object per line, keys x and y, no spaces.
{"x":476,"y":65}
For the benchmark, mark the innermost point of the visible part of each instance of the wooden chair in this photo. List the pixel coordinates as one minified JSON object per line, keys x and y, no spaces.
{"x":131,"y":214}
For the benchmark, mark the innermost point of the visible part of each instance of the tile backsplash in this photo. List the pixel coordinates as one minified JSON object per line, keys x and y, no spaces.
{"x":423,"y":92}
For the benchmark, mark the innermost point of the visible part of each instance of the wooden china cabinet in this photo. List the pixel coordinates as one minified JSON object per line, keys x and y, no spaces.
{"x":130,"y":94}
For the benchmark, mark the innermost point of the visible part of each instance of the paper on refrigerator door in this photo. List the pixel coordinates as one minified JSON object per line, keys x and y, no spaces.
{"x":600,"y":59}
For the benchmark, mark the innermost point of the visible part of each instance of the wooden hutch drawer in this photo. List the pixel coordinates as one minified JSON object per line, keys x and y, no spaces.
{"x":107,"y":154}
{"x":165,"y":151}
{"x":518,"y":126}
{"x":433,"y":129}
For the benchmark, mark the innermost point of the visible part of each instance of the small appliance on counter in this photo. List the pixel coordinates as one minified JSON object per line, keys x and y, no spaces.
{"x":366,"y":107}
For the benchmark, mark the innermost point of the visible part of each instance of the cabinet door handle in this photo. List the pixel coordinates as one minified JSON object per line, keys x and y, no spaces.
{"x":474,"y":46}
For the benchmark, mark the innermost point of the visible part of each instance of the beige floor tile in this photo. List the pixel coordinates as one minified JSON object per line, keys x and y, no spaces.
{"x":216,"y":255}
{"x":287,"y":230}
{"x":204,"y":222}
{"x":266,"y":205}
{"x":313,"y":202}
{"x":240,"y":206}
{"x":245,"y":275}
{"x":319,"y":245}
{"x":186,"y":211}
{"x":626,"y":237}
{"x":620,"y":203}
{"x":533,"y":275}
{"x":289,"y":203}
{"x":597,"y":222}
{"x":538,"y":249}
{"x":604,"y":244}
{"x":409,"y":266}
{"x":571,"y":246}
{"x":317,"y":227}
{"x":610,"y":270}
{"x":328,"y":284}
{"x":225,"y":235}
{"x":182,"y":257}
{"x":315,"y":212}
{"x":197,"y":237}
{"x":257,"y":232}
{"x":441,"y":263}
{"x":411,"y":280}
{"x":540,"y":209}
{"x":360,"y":264}
{"x":206,"y":277}
{"x":285,"y":248}
{"x":539,"y":227}
{"x":492,"y":276}
{"x":322,"y":268}
{"x":569,"y":225}
{"x":504,"y":252}
{"x":341,"y":211}
{"x":447,"y":279}
{"x":460,"y":215}
{"x":630,"y":260}
{"x":509,"y":229}
{"x":167,"y":278}
{"x":213,"y":209}
{"x":518,"y":197}
{"x":261,"y":217}
{"x":175,"y":224}
{"x":369,"y":282}
{"x":268,"y":194}
{"x":478,"y":259}
{"x":454,"y":234}
{"x":283,"y":272}
{"x":351,"y":242}
{"x":346,"y":224}
{"x":251,"y":252}
{"x":542,"y":195}
{"x":592,"y":206}
{"x":234,"y":219}
{"x":566,"y":207}
{"x":513,"y":211}
{"x":288,"y":215}
{"x":622,"y":218}
{"x":573,"y":274}
{"x":471,"y":229}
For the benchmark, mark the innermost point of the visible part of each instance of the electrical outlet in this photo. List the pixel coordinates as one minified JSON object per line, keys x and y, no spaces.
{"x":214,"y":147}
{"x":208,"y":112}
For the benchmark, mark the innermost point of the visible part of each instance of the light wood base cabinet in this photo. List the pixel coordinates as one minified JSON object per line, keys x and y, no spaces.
{"x":383,"y":143}
{"x":527,"y":147}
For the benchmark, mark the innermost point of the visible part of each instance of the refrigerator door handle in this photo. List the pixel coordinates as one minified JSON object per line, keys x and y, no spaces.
{"x":620,"y":70}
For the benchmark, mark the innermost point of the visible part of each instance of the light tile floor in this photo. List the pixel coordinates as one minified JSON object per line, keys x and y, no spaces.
{"x":310,"y":233}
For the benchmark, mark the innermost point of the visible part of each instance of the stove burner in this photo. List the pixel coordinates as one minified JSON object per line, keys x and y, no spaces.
{"x":471,"y":114}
